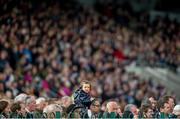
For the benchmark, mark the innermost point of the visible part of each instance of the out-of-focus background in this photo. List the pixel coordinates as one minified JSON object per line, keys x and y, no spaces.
{"x":128,"y":49}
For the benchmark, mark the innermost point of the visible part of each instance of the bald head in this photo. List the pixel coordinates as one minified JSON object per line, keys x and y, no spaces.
{"x":112,"y":106}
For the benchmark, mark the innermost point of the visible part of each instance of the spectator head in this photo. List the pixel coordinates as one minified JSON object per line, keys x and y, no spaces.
{"x":171,"y":102}
{"x":51,"y":109}
{"x":153,"y":102}
{"x":146,"y":111}
{"x":86,"y":86}
{"x":20,"y":98}
{"x":15,"y":107}
{"x":146,"y":102}
{"x":163,"y":105}
{"x":3,"y":106}
{"x":23,"y":109}
{"x":41,"y":103}
{"x":66,"y":101}
{"x":176,"y":111}
{"x":73,"y":111}
{"x":95,"y":106}
{"x":132,"y":108}
{"x":30,"y":103}
{"x":112,"y":106}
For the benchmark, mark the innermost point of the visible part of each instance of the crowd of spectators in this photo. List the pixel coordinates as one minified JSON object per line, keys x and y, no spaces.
{"x":47,"y":49}
{"x":28,"y":106}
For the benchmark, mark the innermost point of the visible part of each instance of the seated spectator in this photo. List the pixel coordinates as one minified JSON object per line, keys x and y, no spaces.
{"x":154,"y":106}
{"x":164,"y":107}
{"x":94,"y":110}
{"x":74,"y":111}
{"x":66,"y":101}
{"x":111,"y":112}
{"x":30,"y":106}
{"x":20,"y":98}
{"x":41,"y":103}
{"x":171,"y":102}
{"x":130,"y":111}
{"x":16,"y":111}
{"x":3,"y":108}
{"x":53,"y":111}
{"x":146,"y":111}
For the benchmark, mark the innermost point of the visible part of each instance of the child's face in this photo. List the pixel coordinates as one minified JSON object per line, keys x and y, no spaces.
{"x":86,"y":88}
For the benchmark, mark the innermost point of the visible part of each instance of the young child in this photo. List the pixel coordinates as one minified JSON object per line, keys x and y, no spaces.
{"x":82,"y":95}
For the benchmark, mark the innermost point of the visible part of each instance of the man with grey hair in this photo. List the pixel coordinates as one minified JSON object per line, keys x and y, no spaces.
{"x":176,"y":111}
{"x":52,"y":109}
{"x":41,"y":103}
{"x":66,"y":101}
{"x":20,"y":98}
{"x":30,"y":104}
{"x":130,"y":111}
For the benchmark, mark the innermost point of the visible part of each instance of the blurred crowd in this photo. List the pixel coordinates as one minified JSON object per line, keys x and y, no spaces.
{"x":47,"y":49}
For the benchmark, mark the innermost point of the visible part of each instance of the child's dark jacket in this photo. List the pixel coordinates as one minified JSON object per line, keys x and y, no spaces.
{"x":82,"y":98}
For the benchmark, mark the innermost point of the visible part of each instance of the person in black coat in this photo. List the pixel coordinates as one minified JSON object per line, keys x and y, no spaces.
{"x":82,"y":96}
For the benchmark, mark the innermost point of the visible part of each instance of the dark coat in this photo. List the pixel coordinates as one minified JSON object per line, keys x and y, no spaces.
{"x":82,"y":98}
{"x":29,"y":115}
{"x":111,"y":115}
{"x":128,"y":114}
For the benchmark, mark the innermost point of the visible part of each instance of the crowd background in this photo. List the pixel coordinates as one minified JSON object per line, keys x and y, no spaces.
{"x":47,"y":48}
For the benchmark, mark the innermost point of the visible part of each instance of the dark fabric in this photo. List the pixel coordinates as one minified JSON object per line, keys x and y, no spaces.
{"x":100,"y":114}
{"x":13,"y":115}
{"x":163,"y":115}
{"x":156,"y":114}
{"x":70,"y":108}
{"x":127,"y":114}
{"x":82,"y":98}
{"x":172,"y":116}
{"x":94,"y":116}
{"x":111,"y":115}
{"x":71,"y":111}
{"x":140,"y":115}
{"x":4,"y":115}
{"x":86,"y":116}
{"x":29,"y":115}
